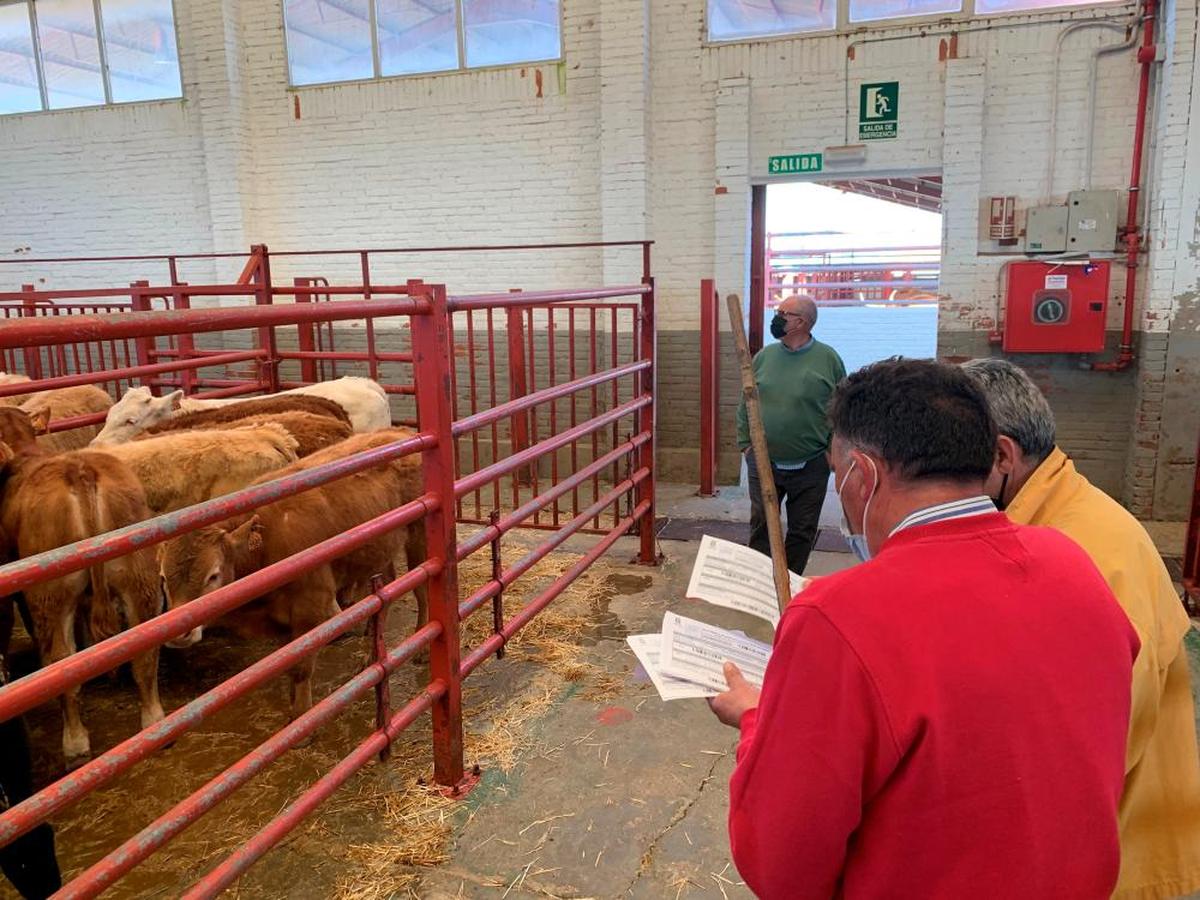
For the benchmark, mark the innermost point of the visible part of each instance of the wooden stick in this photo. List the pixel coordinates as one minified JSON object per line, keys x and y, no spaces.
{"x":762,"y":458}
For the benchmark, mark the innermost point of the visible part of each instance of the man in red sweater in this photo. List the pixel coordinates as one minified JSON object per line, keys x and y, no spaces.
{"x":948,"y":719}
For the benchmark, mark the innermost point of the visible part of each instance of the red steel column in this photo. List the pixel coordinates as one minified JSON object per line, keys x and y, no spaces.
{"x":647,"y":554}
{"x":33,"y":355}
{"x":185,"y":342}
{"x":432,"y":360}
{"x":304,"y":333}
{"x":710,"y":380}
{"x":266,"y":336}
{"x":518,"y":384}
{"x":143,"y":346}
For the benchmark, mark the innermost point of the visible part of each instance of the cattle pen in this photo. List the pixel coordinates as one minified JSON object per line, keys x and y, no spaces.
{"x":531,"y":409}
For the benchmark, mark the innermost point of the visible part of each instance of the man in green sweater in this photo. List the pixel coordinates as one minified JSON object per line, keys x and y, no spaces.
{"x":795,"y":378}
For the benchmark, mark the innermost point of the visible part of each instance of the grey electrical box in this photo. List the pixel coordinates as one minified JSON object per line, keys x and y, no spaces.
{"x":1092,"y":221}
{"x":1046,"y":229}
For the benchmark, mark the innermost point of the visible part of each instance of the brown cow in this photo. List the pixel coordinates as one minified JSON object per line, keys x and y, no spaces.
{"x":49,"y":501}
{"x":178,"y":470}
{"x":256,"y":408}
{"x":13,"y":399}
{"x":204,"y":560}
{"x":312,"y":433}
{"x":67,"y":403}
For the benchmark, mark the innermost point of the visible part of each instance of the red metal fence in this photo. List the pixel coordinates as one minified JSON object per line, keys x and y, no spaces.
{"x":557,"y":455}
{"x":500,"y":352}
{"x":845,"y":277}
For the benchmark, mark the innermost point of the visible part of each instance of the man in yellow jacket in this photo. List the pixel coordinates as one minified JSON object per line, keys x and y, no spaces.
{"x":1036,"y":483}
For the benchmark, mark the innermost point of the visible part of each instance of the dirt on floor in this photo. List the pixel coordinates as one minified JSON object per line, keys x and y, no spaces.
{"x":375,"y":835}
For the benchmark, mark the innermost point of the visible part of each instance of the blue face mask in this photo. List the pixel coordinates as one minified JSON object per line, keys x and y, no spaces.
{"x":857,"y":542}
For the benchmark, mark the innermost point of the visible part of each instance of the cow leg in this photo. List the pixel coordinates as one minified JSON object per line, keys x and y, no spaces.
{"x":137,"y":589}
{"x":23,"y":609}
{"x":312,"y":603}
{"x":7,"y":622}
{"x":415,"y":553}
{"x":301,"y":675}
{"x":145,"y":676}
{"x":53,"y":607}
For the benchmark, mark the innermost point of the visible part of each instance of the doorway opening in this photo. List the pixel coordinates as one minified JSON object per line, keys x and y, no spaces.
{"x":868,"y":251}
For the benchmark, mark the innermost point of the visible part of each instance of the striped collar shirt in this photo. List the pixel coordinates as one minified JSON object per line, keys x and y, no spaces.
{"x":941,"y":512}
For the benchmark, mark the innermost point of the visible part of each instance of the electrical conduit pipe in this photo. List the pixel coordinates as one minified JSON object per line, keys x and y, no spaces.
{"x":1132,"y":234}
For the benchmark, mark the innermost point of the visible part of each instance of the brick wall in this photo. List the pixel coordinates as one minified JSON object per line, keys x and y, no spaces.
{"x":643,"y":131}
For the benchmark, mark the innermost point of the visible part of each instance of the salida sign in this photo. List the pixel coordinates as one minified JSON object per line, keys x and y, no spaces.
{"x":878,"y":110}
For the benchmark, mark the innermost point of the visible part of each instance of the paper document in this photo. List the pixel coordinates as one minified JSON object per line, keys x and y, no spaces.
{"x":736,"y":577}
{"x":697,"y":652}
{"x":647,"y":648}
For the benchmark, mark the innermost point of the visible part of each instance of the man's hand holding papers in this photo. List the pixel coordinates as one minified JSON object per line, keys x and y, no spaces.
{"x":691,"y":658}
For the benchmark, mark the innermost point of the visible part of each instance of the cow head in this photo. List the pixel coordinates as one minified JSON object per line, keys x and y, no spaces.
{"x":198,"y":563}
{"x":136,"y":411}
{"x":19,"y":430}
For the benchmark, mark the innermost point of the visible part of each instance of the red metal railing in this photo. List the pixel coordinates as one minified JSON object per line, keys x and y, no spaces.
{"x":628,"y":418}
{"x":500,"y":352}
{"x":845,"y":277}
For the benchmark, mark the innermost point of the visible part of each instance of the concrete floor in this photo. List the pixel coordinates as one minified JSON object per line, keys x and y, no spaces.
{"x":731,"y":504}
{"x":631,"y":798}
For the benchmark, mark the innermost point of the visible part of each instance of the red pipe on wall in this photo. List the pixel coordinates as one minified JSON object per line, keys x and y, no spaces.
{"x":1133,"y":235}
{"x":710,"y":385}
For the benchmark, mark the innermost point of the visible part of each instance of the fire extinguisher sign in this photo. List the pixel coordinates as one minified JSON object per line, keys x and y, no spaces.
{"x":878,"y":110}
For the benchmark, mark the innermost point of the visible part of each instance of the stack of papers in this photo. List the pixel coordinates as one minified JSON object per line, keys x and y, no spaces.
{"x":687,"y":658}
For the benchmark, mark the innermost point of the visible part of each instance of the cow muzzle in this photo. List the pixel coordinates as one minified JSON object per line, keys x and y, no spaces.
{"x":187,"y":640}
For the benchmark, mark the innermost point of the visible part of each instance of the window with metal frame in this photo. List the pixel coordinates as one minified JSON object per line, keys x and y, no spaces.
{"x":65,"y":54}
{"x":353,"y":40}
{"x":875,"y":10}
{"x":991,"y":7}
{"x":735,"y":20}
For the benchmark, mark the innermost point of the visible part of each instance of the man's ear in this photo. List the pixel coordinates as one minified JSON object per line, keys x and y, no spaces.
{"x":41,"y":421}
{"x":1008,"y":455}
{"x":866,"y":477}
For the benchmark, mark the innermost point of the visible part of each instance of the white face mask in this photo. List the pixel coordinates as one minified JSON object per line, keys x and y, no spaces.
{"x":858,"y":542}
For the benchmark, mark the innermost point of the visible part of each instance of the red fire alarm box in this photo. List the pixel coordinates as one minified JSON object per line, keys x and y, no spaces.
{"x":1056,"y":307}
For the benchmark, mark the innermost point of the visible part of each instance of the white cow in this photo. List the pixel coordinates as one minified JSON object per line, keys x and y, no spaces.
{"x":363,"y":399}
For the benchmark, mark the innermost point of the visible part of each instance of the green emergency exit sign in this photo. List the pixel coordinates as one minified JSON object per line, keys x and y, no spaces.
{"x":795,"y":164}
{"x":878,"y":111}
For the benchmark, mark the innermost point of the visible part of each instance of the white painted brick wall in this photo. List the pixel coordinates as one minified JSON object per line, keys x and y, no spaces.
{"x":631,"y":136}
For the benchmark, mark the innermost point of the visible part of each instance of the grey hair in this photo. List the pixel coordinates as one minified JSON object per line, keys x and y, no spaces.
{"x":806,"y":300}
{"x":1018,"y":406}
